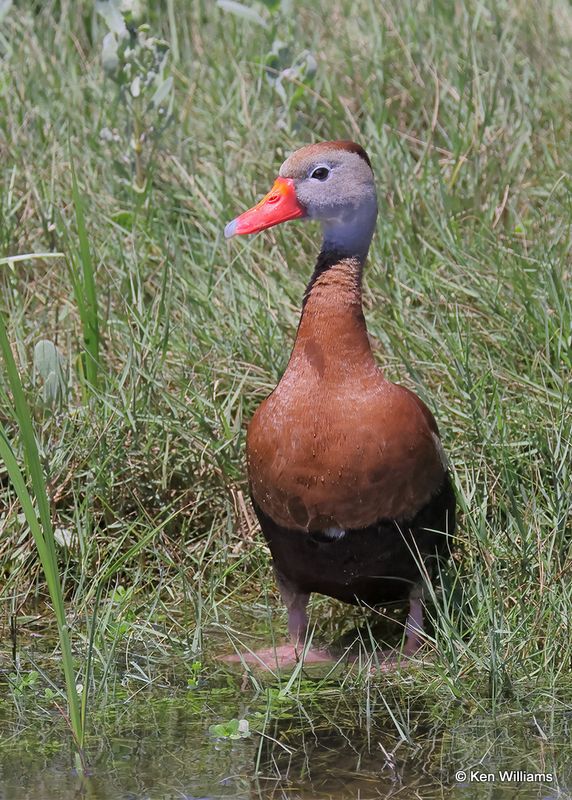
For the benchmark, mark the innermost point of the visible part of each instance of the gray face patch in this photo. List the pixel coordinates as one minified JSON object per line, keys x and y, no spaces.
{"x":345,"y":201}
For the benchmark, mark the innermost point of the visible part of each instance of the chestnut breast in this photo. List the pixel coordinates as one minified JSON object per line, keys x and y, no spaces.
{"x":342,"y":453}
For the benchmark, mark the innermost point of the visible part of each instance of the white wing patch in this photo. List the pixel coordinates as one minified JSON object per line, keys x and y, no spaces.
{"x":334,"y":533}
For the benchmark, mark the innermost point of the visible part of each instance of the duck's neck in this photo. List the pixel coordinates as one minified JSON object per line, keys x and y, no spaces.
{"x":332,"y":341}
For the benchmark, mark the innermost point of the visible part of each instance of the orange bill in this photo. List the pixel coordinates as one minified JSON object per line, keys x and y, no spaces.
{"x":279,"y":205}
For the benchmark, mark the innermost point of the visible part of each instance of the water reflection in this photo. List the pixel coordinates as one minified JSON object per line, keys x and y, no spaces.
{"x":353,"y":745}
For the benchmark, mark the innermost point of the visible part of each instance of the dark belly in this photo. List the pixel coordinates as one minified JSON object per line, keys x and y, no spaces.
{"x":374,"y":565}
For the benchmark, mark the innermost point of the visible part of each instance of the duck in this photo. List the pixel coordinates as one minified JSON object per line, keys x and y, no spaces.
{"x":347,"y":473}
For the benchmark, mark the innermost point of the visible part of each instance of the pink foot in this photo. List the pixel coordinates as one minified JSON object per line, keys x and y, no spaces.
{"x":285,"y":655}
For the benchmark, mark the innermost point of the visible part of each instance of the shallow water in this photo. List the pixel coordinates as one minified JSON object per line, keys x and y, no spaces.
{"x":332,"y":743}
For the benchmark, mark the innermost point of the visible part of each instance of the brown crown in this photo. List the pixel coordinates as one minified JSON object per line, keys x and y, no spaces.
{"x":342,"y":144}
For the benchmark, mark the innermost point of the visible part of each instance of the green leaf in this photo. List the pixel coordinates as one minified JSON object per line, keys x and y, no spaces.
{"x":5,"y":6}
{"x":240,"y":10}
{"x":124,"y":219}
{"x":136,"y":86}
{"x":233,"y":729}
{"x":110,"y":10}
{"x":49,"y":365}
{"x":47,"y":358}
{"x":162,"y":92}
{"x":109,"y":53}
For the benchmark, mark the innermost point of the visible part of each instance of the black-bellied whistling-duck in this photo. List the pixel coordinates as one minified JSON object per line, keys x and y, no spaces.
{"x":347,"y":473}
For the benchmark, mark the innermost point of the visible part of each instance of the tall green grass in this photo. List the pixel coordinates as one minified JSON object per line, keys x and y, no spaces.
{"x":36,"y":507}
{"x":464,"y":110}
{"x":82,"y":275}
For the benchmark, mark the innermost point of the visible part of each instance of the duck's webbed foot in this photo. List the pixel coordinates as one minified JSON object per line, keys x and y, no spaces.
{"x":280,"y":657}
{"x":286,"y":655}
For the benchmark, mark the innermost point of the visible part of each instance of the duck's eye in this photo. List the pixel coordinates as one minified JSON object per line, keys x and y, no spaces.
{"x":320,"y":173}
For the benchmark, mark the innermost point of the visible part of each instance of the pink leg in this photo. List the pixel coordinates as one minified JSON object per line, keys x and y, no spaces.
{"x":296,"y":603}
{"x":414,"y":625}
{"x":286,"y":655}
{"x":390,"y":660}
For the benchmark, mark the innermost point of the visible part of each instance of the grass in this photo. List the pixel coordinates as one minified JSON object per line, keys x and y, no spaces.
{"x":170,"y":336}
{"x":36,"y":503}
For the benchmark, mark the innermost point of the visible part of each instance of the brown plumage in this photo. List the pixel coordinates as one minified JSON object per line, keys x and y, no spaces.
{"x":336,"y":444}
{"x":347,"y":472}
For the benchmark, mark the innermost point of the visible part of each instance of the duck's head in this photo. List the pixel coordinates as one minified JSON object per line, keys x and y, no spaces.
{"x":331,"y":182}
